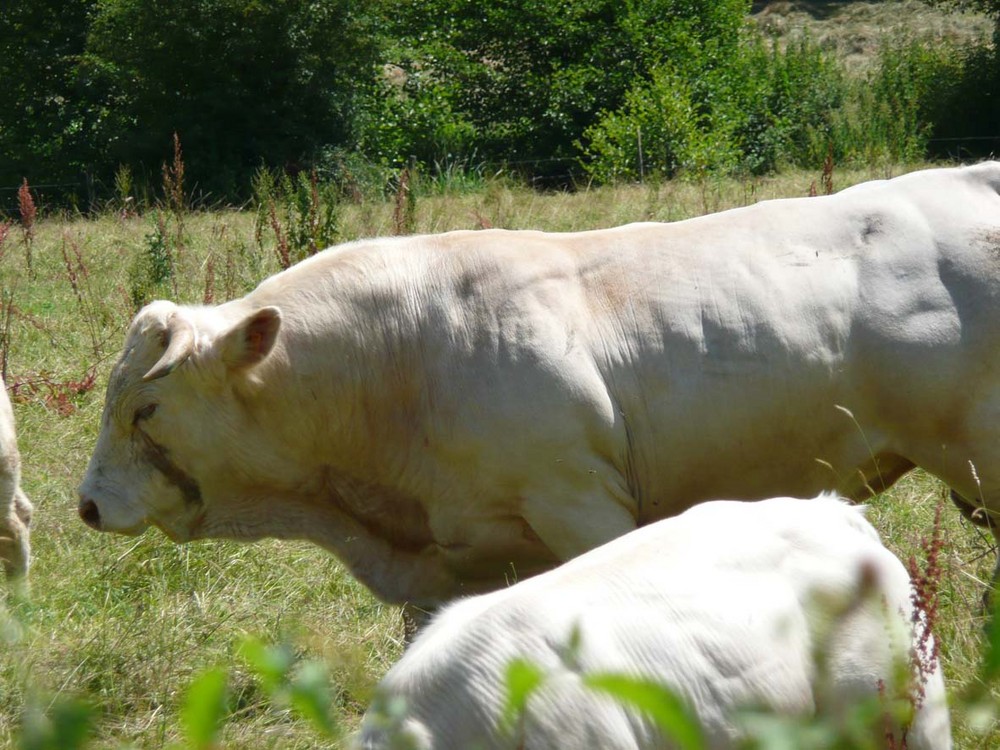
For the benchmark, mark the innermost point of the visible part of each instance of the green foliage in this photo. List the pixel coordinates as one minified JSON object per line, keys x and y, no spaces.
{"x":124,"y":184}
{"x":67,"y":724}
{"x":521,"y":680}
{"x":525,"y":78}
{"x":894,"y":109}
{"x":416,"y":117}
{"x":991,"y":655}
{"x":159,"y":263}
{"x":239,"y":80}
{"x":301,"y":212}
{"x":856,"y":730}
{"x":661,"y":131}
{"x":304,"y":686}
{"x":990,"y":7}
{"x":750,"y":108}
{"x":312,"y":211}
{"x":47,"y":119}
{"x":205,"y":709}
{"x":355,"y":90}
{"x":964,"y":117}
{"x":786,"y":104}
{"x":670,"y":714}
{"x":151,"y":274}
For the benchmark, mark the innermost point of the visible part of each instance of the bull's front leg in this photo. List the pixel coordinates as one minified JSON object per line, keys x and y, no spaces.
{"x":985,"y":519}
{"x":414,"y":620}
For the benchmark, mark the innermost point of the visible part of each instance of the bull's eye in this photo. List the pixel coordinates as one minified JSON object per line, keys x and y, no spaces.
{"x":144,"y":412}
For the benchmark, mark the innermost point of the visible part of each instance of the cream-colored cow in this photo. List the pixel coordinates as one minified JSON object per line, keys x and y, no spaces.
{"x":788,"y":606}
{"x":15,"y":510}
{"x":449,"y":413}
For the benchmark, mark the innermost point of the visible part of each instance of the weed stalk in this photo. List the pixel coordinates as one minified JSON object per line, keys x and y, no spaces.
{"x":5,"y":227}
{"x":79,"y":279}
{"x":29,"y":211}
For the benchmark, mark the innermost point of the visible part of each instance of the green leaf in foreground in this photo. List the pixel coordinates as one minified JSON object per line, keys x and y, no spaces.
{"x":660,"y":703}
{"x":310,"y":697}
{"x":991,"y":655}
{"x":67,"y":725}
{"x":522,"y":679}
{"x":205,"y":708}
{"x":271,"y":664}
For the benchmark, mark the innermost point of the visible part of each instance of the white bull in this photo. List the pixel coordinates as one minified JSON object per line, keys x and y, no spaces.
{"x":447,"y":413}
{"x":15,"y":510}
{"x":788,"y":606}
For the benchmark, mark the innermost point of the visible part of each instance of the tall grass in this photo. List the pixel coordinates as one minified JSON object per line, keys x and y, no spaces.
{"x":126,"y":626}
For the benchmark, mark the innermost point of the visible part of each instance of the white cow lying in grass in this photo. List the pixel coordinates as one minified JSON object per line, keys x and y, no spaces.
{"x":15,"y":510}
{"x":728,"y":604}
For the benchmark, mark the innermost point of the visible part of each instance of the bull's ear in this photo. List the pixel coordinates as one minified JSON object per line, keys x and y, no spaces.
{"x":251,"y":340}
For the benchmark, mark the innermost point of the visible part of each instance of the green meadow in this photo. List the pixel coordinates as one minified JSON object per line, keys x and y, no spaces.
{"x":118,"y":634}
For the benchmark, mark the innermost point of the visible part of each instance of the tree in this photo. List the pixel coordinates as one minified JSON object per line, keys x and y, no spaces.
{"x":529,"y":76}
{"x":243,"y":82}
{"x":43,"y":123}
{"x":967,"y":122}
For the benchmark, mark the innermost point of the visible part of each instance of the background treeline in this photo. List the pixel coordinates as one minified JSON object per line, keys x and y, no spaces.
{"x":557,"y":91}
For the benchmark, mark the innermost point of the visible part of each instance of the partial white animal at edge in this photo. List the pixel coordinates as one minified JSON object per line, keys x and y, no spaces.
{"x":15,"y":509}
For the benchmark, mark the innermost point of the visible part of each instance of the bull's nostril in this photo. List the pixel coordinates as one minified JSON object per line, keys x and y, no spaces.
{"x":90,"y":514}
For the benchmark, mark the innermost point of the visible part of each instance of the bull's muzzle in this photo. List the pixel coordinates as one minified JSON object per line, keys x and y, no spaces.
{"x":90,"y":513}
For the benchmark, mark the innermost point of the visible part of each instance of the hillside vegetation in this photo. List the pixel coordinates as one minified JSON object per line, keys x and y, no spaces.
{"x":855,"y":31}
{"x":557,"y":94}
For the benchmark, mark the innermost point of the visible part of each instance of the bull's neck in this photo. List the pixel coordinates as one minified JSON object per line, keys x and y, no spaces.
{"x":354,"y":402}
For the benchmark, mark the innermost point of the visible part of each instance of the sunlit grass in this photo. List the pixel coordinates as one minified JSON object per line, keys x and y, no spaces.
{"x":126,"y":624}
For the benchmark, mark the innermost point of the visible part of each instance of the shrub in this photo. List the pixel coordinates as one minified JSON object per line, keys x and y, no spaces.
{"x":659,"y":131}
{"x":239,"y":80}
{"x":526,"y":78}
{"x":745,"y":108}
{"x":413,"y":115}
{"x":891,"y":112}
{"x":300,"y":211}
{"x":967,"y":104}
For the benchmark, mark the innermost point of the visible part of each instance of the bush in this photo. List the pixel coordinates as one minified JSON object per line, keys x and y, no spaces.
{"x":413,"y":115}
{"x":526,"y":78}
{"x":301,"y":212}
{"x":964,"y":122}
{"x":238,"y":80}
{"x":749,"y":108}
{"x":891,"y":112}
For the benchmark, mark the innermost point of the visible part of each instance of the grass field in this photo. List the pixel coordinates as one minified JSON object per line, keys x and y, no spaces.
{"x":126,"y":624}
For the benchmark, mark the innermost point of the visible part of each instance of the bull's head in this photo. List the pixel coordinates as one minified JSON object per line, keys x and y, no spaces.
{"x":169,"y":408}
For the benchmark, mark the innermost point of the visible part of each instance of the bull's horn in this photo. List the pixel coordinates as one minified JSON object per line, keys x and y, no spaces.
{"x":180,"y":344}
